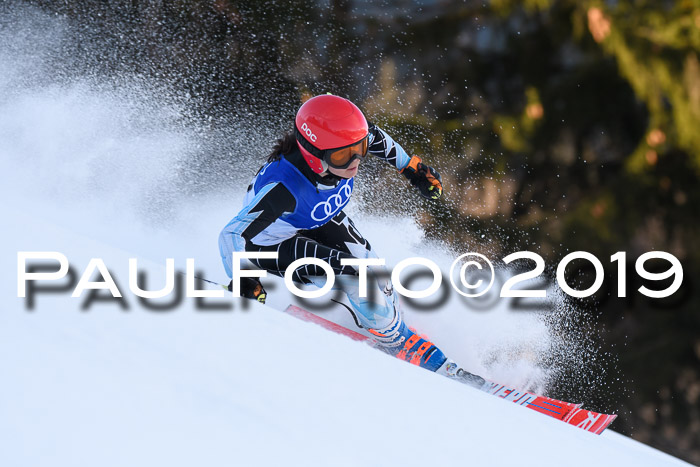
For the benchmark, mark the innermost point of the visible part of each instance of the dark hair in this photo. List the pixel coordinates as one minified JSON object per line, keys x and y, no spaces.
{"x":284,"y":145}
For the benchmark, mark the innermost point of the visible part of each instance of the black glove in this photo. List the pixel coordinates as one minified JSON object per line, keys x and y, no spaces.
{"x":251,"y":288}
{"x":424,"y":177}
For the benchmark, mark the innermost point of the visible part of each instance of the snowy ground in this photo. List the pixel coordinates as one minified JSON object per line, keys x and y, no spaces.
{"x":257,"y":387}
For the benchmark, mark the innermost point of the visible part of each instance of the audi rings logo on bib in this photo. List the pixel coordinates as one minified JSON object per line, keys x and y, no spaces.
{"x":310,"y":134}
{"x":329,"y":208}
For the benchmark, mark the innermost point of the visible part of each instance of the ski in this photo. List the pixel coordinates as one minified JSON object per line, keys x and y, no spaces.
{"x":568,"y":412}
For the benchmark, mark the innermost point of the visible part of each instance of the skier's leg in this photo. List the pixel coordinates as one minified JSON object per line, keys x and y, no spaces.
{"x":378,"y":313}
{"x":341,"y":234}
{"x":395,"y":337}
{"x":372,"y":312}
{"x":377,"y":310}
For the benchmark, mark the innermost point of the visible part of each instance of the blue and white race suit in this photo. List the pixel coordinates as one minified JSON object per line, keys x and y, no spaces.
{"x":296,"y":213}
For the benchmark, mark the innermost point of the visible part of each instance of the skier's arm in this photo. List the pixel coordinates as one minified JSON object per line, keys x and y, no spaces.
{"x":422,"y":176}
{"x":264,"y":209}
{"x":383,"y":146}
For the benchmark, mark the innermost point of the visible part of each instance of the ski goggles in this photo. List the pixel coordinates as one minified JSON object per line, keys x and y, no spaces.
{"x":338,"y":158}
{"x":341,"y":158}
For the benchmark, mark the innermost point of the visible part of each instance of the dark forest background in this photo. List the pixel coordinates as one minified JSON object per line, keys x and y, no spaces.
{"x":558,"y":125}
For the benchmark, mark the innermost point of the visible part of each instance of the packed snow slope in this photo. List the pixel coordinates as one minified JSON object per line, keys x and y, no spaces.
{"x":107,"y":387}
{"x":104,"y":386}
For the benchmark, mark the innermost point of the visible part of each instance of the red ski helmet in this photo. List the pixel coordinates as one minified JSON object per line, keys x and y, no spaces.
{"x":330,"y":130}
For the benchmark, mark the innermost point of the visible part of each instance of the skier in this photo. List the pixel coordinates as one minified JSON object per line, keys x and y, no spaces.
{"x":294,"y":207}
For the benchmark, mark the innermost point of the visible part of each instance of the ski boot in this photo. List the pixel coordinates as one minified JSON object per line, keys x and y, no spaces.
{"x":404,"y":343}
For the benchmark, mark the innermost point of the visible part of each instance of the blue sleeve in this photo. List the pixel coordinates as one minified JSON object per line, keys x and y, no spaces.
{"x":260,"y":212}
{"x":384,"y":147}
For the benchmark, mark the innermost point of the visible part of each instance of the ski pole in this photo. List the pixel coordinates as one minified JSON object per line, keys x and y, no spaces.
{"x":206,"y":280}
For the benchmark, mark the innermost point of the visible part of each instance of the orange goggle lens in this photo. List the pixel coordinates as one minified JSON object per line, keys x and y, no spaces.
{"x":343,"y":157}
